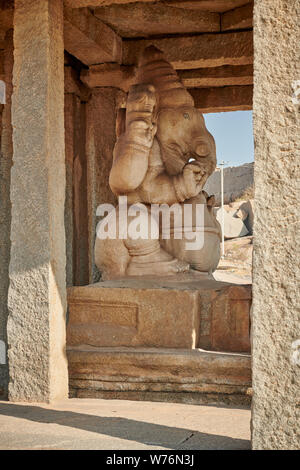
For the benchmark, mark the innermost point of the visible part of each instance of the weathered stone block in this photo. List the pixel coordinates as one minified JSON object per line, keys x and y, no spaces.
{"x":230,"y":323}
{"x":151,"y":317}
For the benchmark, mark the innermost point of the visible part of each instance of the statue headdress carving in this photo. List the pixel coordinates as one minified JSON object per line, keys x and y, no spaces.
{"x":154,"y":69}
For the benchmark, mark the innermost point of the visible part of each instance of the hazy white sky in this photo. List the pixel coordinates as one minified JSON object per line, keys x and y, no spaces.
{"x":233,"y":135}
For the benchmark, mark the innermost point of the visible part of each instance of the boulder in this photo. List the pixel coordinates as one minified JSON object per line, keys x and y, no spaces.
{"x":248,"y":208}
{"x":234,"y":227}
{"x":241,"y":214}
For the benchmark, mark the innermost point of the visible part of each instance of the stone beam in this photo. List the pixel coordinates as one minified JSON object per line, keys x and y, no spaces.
{"x":37,"y":291}
{"x":109,"y":75}
{"x":204,"y":5}
{"x":97,"y":3}
{"x":191,"y":52}
{"x":229,"y":98}
{"x":122,"y":76}
{"x":142,"y":20}
{"x":227,"y":75}
{"x":239,"y":18}
{"x":208,"y":5}
{"x":90,"y":40}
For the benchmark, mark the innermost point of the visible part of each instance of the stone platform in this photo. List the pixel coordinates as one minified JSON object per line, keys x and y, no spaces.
{"x":193,"y":311}
{"x":183,"y":340}
{"x":173,"y":375}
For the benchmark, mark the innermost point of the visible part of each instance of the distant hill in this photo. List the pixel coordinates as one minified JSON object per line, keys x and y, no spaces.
{"x":237,"y":181}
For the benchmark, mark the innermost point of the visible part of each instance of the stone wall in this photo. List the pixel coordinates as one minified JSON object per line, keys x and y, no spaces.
{"x":236,"y":180}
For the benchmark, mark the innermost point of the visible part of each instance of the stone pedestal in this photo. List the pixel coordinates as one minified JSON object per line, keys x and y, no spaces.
{"x":148,"y":336}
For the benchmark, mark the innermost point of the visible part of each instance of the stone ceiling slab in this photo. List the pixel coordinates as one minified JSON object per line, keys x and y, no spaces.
{"x":203,"y":5}
{"x":142,"y":20}
{"x":191,"y":52}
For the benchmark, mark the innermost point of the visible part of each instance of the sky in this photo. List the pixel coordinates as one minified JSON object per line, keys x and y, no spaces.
{"x":233,"y":135}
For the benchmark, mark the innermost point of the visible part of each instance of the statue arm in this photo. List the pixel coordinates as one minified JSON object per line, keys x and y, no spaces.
{"x":132,"y":150}
{"x":162,"y":188}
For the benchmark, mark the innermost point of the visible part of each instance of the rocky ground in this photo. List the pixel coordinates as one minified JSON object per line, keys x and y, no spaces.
{"x":236,"y":266}
{"x":237,"y":262}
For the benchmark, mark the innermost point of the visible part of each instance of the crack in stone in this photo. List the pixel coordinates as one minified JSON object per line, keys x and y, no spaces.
{"x":186,"y":439}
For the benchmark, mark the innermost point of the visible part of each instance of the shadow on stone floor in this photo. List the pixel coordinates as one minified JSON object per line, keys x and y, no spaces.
{"x":123,"y":428}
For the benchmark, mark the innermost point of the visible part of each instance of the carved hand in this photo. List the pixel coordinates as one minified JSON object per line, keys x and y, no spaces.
{"x":140,"y":121}
{"x":190,"y":182}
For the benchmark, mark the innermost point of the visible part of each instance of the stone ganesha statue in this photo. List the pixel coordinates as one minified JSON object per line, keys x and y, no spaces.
{"x":163,"y":155}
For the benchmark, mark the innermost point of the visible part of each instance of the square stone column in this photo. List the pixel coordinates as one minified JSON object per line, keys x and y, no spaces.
{"x":37,"y":292}
{"x":276,"y":325}
{"x":101,"y":113}
{"x":6,"y":153}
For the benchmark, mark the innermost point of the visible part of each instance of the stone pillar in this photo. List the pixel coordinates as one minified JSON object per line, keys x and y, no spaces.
{"x":5,"y":206}
{"x":276,"y":325}
{"x":100,"y":137}
{"x":37,"y":292}
{"x":76,"y":210}
{"x":69,"y":219}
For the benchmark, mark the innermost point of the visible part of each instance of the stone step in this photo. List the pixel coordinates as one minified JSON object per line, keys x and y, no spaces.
{"x":157,"y":374}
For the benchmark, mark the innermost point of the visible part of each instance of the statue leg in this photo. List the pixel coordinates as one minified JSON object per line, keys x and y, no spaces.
{"x":147,"y":257}
{"x":128,"y":256}
{"x":203,"y":256}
